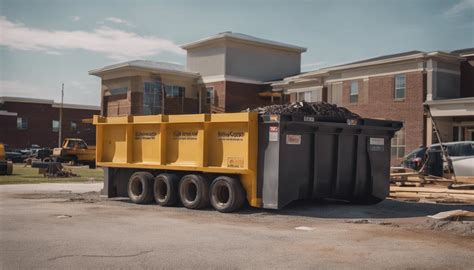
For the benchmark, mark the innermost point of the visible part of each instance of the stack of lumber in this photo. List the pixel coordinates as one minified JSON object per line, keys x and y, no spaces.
{"x":435,"y":194}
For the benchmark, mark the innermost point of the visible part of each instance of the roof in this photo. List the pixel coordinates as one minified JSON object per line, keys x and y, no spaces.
{"x":243,"y":38}
{"x":383,"y":57}
{"x":464,"y":100}
{"x":464,"y":52}
{"x":49,"y":102}
{"x":162,"y":67}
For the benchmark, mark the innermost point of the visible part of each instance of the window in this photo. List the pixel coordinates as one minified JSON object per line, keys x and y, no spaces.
{"x":398,"y":144}
{"x":210,"y":96}
{"x":174,"y":91}
{"x":152,"y":98}
{"x":55,"y":125}
{"x":73,"y":126}
{"x":305,"y":96}
{"x":354,"y":93}
{"x":400,"y":86}
{"x":118,"y":91}
{"x":21,"y":123}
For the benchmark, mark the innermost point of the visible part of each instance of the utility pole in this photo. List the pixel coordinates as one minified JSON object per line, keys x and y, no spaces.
{"x":61,"y":116}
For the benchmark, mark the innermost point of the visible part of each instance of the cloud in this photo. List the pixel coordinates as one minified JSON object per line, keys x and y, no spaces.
{"x":459,"y":8}
{"x":118,"y":21}
{"x":75,"y":18}
{"x":17,"y":88}
{"x":115,"y":44}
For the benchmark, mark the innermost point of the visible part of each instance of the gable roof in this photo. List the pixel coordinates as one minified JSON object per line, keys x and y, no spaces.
{"x":146,"y":65}
{"x":243,"y":38}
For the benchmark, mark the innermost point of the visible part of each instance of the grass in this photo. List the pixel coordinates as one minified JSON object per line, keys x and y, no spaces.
{"x":27,"y":175}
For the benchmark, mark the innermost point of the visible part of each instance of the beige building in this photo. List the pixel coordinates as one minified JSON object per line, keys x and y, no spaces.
{"x":225,"y":72}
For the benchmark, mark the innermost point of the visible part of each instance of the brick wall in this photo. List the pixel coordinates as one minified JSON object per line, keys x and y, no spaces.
{"x":240,"y":96}
{"x":39,"y":131}
{"x":380,"y":103}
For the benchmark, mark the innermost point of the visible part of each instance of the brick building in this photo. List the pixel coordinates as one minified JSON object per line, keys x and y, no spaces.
{"x":27,"y":121}
{"x":229,"y":72}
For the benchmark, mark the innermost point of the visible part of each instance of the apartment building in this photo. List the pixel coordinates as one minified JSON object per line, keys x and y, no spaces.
{"x":229,"y":72}
{"x":28,"y":121}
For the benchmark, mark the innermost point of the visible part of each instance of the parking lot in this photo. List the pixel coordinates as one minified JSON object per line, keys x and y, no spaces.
{"x":57,"y":226}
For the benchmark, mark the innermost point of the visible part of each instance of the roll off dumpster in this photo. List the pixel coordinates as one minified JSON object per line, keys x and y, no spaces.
{"x":231,"y":158}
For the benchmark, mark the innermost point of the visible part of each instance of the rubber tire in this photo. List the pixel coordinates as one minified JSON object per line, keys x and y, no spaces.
{"x":92,"y":165}
{"x":236,"y":194}
{"x":201,"y":200}
{"x":9,"y":168}
{"x":370,"y":200}
{"x":171,"y":182}
{"x":145,"y":179}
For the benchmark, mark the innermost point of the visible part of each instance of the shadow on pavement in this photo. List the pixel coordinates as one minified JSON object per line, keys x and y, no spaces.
{"x":334,"y":210}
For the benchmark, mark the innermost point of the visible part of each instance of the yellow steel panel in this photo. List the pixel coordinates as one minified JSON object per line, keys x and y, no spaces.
{"x":184,"y":144}
{"x":114,"y":144}
{"x":228,"y":145}
{"x":146,"y":143}
{"x":188,"y":118}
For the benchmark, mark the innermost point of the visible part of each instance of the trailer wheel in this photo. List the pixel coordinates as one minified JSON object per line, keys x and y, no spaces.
{"x":165,"y":189}
{"x":227,"y":194}
{"x":194,"y":191}
{"x":140,"y":188}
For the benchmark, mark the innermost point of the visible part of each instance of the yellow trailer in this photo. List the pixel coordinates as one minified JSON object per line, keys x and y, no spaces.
{"x":231,"y":158}
{"x":190,"y":148}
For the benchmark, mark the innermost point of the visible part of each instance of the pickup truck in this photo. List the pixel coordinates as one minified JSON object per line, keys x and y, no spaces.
{"x":76,"y":151}
{"x":6,"y":166}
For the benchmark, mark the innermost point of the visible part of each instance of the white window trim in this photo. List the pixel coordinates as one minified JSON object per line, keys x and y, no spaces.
{"x":397,"y":88}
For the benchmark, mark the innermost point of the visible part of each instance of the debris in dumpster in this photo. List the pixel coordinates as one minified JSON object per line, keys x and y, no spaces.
{"x":319,"y":110}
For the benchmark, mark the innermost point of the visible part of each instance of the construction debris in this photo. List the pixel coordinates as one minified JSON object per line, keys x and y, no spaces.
{"x":454,"y":215}
{"x":438,"y":194}
{"x":319,"y":110}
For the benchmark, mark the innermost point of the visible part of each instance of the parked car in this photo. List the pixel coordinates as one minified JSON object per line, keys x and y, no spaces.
{"x":461,"y":156}
{"x":14,"y":157}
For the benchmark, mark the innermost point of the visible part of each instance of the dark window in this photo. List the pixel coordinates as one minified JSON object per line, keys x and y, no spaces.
{"x":118,"y":91}
{"x":210,"y":96}
{"x":174,"y":91}
{"x":152,"y":98}
{"x":21,"y":123}
{"x":354,"y":93}
{"x":400,"y":86}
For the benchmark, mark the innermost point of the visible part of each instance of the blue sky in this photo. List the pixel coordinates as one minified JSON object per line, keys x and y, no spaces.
{"x":44,"y":43}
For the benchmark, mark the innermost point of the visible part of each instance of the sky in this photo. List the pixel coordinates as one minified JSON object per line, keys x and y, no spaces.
{"x":49,"y":42}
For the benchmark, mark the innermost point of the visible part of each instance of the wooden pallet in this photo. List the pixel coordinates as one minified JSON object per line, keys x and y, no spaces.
{"x":442,"y":195}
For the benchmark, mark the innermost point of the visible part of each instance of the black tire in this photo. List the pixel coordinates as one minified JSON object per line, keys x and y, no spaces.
{"x":194,"y":191}
{"x":140,"y":188}
{"x":165,"y":189}
{"x":92,"y":165}
{"x":369,"y":200}
{"x":227,"y":194}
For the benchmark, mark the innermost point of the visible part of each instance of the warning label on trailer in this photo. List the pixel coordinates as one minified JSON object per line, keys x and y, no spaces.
{"x":230,"y":135}
{"x":293,"y":139}
{"x":144,"y":135}
{"x":273,"y":134}
{"x":376,"y":144}
{"x":235,"y":162}
{"x":185,"y":135}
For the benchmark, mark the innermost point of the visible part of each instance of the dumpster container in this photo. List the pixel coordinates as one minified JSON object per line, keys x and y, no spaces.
{"x":300,"y":158}
{"x":227,"y":159}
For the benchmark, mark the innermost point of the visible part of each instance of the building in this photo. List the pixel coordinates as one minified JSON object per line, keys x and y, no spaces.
{"x":225,"y":72}
{"x":229,"y":72}
{"x":26,"y":121}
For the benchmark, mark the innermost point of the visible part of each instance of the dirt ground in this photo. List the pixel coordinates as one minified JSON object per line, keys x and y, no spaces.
{"x":57,"y":226}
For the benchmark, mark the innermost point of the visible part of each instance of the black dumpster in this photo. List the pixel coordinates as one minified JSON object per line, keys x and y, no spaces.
{"x":302,"y":157}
